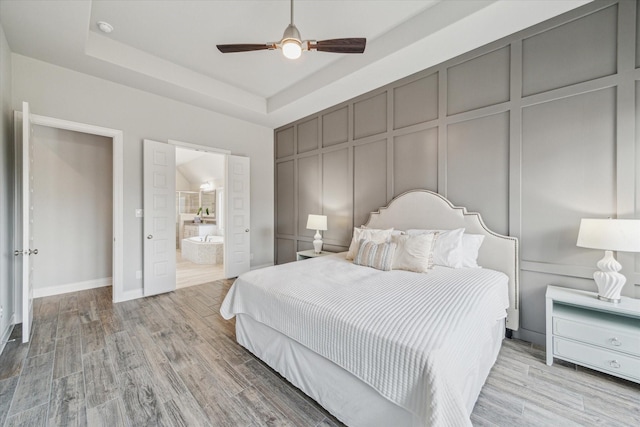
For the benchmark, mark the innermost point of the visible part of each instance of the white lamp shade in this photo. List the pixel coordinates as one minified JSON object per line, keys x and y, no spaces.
{"x":317,"y":222}
{"x":610,"y":234}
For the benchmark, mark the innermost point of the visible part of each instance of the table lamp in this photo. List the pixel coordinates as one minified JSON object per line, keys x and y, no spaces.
{"x":317,"y":222}
{"x":611,"y":235}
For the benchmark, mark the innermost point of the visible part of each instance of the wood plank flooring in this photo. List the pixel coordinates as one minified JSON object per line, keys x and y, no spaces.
{"x":171,"y":360}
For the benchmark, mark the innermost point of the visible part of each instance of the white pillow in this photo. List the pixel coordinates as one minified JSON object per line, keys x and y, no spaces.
{"x":375,"y":235}
{"x":414,"y":253}
{"x":448,"y":246}
{"x":394,"y":232}
{"x":470,"y":246}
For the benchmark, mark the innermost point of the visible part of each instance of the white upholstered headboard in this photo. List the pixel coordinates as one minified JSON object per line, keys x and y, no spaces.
{"x":428,"y":210}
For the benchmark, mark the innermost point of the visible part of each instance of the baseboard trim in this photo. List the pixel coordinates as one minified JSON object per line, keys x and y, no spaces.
{"x":71,"y":287}
{"x":530,"y":336}
{"x":255,"y":267}
{"x":7,"y":333}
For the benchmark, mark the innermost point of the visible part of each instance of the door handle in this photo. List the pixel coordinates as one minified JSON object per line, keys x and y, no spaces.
{"x":35,"y":252}
{"x":150,"y":236}
{"x":17,"y":252}
{"x":246,"y":230}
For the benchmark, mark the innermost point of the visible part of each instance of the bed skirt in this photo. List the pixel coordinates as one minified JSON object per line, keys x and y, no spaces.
{"x":345,"y":396}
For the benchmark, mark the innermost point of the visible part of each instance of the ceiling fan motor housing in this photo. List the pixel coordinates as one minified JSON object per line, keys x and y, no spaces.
{"x":291,"y":32}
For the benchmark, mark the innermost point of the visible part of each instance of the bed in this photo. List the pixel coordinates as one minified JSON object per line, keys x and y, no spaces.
{"x":380,"y":348}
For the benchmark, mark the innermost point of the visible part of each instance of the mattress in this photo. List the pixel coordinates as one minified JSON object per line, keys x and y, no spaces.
{"x":413,"y":338}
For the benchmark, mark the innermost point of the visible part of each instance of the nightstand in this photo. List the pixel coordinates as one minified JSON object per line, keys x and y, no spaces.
{"x":302,"y":255}
{"x":597,"y":334}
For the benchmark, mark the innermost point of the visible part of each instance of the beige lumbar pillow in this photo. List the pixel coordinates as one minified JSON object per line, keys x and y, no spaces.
{"x":375,"y":255}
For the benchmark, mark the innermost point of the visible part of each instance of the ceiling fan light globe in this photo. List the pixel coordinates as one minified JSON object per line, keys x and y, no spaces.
{"x":291,"y":49}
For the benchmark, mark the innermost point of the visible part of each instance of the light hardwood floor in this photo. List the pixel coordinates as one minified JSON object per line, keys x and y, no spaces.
{"x":189,"y":273}
{"x":172,"y":360}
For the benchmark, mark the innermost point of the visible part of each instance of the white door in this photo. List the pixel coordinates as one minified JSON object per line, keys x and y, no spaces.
{"x":237,"y":249}
{"x":159,"y":176}
{"x":26,"y":244}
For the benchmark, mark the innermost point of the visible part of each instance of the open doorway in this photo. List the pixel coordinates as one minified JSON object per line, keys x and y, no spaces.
{"x":199,"y":216}
{"x":72,"y":201}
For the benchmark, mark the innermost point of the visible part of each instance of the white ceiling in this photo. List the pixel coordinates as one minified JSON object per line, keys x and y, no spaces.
{"x":199,"y":167}
{"x":168,"y":47}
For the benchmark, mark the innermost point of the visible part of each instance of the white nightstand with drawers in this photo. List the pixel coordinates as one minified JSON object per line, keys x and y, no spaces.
{"x":597,"y":334}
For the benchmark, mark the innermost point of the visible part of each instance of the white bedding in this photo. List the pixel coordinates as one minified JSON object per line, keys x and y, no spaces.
{"x":410,"y":336}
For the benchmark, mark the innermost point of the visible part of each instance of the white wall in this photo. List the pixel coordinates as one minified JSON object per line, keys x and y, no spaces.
{"x":7,"y":302}
{"x":58,"y":92}
{"x":73,"y":220}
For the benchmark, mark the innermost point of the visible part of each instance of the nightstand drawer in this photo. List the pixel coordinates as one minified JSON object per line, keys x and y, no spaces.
{"x":597,"y":358}
{"x":626,"y":342}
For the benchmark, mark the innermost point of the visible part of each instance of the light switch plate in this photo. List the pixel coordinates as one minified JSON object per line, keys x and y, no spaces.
{"x":139,"y":213}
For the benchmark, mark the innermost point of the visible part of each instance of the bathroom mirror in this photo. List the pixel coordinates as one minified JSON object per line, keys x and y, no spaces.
{"x":208,"y":201}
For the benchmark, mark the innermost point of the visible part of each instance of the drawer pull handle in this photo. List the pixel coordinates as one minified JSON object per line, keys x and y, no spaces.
{"x":614,"y":364}
{"x":615,"y":341}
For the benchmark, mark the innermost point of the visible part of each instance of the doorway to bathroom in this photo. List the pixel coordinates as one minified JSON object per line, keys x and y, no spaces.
{"x":199,"y":216}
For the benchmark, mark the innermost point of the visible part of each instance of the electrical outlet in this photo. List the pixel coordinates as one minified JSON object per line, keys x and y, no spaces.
{"x":1,"y":311}
{"x":139,"y":213}
{"x":139,"y":274}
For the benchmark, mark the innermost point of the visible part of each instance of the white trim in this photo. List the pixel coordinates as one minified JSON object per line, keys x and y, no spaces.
{"x":17,"y":219}
{"x":198,"y":147}
{"x":4,"y":338}
{"x":118,"y":183}
{"x":71,"y":287}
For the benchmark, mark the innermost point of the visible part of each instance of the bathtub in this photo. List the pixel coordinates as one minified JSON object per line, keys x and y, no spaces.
{"x":210,"y":239}
{"x":199,"y":251}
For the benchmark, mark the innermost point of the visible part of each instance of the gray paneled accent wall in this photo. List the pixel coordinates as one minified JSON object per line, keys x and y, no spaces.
{"x":534,"y":131}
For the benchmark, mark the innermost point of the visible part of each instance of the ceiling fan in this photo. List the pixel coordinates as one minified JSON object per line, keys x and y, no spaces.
{"x":292,"y":44}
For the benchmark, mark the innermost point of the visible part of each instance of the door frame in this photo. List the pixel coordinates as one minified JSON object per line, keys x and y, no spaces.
{"x":117,"y":137}
{"x":198,"y":147}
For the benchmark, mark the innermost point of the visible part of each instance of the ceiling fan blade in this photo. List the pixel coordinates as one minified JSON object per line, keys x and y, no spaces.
{"x":232,"y":48}
{"x":350,"y":45}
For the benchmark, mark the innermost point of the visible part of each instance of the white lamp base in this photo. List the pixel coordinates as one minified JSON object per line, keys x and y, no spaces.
{"x":317,"y":242}
{"x":608,"y":280}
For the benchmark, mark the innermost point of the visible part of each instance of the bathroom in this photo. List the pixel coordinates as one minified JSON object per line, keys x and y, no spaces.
{"x":199,"y":217}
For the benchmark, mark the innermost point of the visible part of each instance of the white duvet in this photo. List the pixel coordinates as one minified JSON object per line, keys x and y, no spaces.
{"x":411,"y":336}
